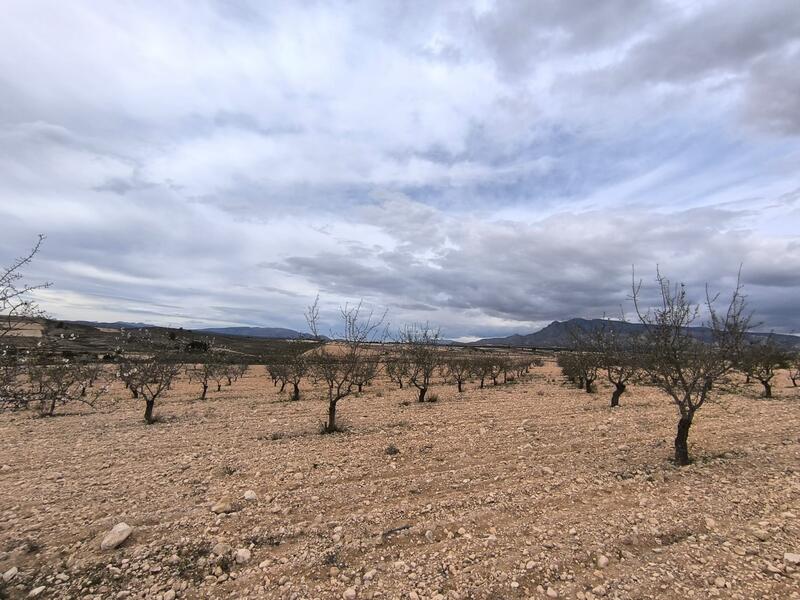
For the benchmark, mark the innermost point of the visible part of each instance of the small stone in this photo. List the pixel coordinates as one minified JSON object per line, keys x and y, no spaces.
{"x":35,"y":592}
{"x":10,"y":574}
{"x":221,"y":549}
{"x":349,"y":594}
{"x":169,"y":595}
{"x":223,"y":506}
{"x":118,"y":534}
{"x":370,"y":575}
{"x":242,"y":556}
{"x":760,"y":535}
{"x":719,"y":582}
{"x":333,"y":572}
{"x":529,"y":565}
{"x":791,"y":558}
{"x":602,"y":561}
{"x":250,"y":496}
{"x":547,"y":471}
{"x":551,"y":593}
{"x":5,"y":468}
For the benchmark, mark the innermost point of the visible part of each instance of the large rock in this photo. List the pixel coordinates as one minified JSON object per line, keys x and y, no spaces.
{"x":10,"y":574}
{"x":791,"y":559}
{"x":118,"y":534}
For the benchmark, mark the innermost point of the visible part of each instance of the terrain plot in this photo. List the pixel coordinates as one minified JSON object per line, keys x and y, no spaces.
{"x":527,"y":490}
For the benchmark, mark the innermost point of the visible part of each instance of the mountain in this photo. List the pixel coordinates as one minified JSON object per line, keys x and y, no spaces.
{"x":274,"y":333}
{"x":557,"y":334}
{"x":114,"y":325}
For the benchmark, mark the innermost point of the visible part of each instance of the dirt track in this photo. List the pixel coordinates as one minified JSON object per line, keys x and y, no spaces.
{"x":509,"y":492}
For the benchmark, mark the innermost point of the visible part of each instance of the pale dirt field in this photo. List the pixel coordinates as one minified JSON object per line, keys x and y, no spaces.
{"x":508,"y":492}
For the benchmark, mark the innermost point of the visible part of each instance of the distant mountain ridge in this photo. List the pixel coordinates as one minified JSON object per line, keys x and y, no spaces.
{"x":275,"y":333}
{"x":272,"y":333}
{"x":557,"y":334}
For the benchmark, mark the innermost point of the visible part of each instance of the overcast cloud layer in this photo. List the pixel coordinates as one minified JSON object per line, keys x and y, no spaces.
{"x":488,"y":167}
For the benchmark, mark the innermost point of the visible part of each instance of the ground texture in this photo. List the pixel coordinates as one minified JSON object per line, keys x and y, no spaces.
{"x":528,"y":490}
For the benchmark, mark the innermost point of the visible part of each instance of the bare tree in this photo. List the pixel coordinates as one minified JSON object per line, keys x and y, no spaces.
{"x":458,"y":370}
{"x":210,"y":367}
{"x":794,"y":369}
{"x":679,"y":363}
{"x":16,"y":305}
{"x":615,"y":357}
{"x":148,"y":367}
{"x":337,"y":364}
{"x":278,"y":370}
{"x":366,"y":372}
{"x":421,"y":353}
{"x":17,"y":308}
{"x":58,"y":380}
{"x":761,"y":359}
{"x":296,"y":368}
{"x":482,"y":368}
{"x":396,"y":369}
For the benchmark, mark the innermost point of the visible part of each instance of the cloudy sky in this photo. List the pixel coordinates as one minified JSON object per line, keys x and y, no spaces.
{"x":487,"y":166}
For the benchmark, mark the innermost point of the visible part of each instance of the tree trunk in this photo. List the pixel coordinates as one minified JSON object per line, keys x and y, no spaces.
{"x":482,"y":382}
{"x":134,"y":392}
{"x":219,"y":386}
{"x":296,"y":392}
{"x":767,"y":389}
{"x":588,"y":386}
{"x":618,"y":391}
{"x":747,"y":378}
{"x":205,"y":391}
{"x":682,"y":439}
{"x":330,"y":427}
{"x":459,"y":387}
{"x":359,"y":387}
{"x":422,"y":392}
{"x":794,"y":381}
{"x":148,"y":411}
{"x":283,"y":385}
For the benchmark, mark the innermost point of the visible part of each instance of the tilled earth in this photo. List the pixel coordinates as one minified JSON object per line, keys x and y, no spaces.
{"x":528,"y":490}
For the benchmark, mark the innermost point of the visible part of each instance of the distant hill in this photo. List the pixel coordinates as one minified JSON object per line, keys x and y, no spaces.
{"x":557,"y":334}
{"x":272,"y":333}
{"x":114,"y":325}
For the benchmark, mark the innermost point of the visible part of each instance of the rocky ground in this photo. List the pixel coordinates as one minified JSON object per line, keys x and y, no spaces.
{"x":528,"y":490}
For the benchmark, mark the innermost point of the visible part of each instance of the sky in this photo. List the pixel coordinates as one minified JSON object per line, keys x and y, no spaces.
{"x":485,"y":166}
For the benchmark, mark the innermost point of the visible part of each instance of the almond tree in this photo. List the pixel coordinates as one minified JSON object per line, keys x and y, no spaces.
{"x":419,"y":347}
{"x":208,"y":369}
{"x":481,"y":369}
{"x":396,"y":369}
{"x":296,"y":368}
{"x":56,"y":380}
{"x":615,"y":357}
{"x":366,"y":372}
{"x":794,"y":369}
{"x":149,"y":365}
{"x":17,"y":308}
{"x":337,"y":363}
{"x":761,"y":359}
{"x":458,"y":370}
{"x":679,"y":363}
